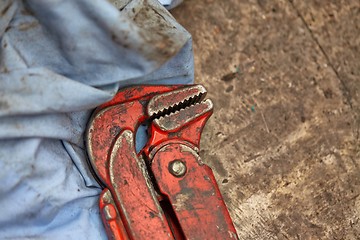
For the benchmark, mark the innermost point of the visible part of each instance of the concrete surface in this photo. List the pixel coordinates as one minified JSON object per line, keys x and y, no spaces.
{"x":284,"y":140}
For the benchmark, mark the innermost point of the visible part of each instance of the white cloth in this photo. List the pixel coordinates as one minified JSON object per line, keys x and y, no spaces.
{"x":58,"y":60}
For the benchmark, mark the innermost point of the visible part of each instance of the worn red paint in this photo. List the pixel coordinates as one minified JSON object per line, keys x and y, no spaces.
{"x":137,"y":204}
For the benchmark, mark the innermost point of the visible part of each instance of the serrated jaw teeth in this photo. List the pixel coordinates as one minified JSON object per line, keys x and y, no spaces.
{"x":170,"y":102}
{"x":179,"y":119}
{"x":172,"y":110}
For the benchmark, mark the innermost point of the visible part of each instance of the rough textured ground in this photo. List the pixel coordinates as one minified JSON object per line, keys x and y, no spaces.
{"x":284,"y":140}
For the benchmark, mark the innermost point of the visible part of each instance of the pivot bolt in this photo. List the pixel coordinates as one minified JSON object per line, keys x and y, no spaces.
{"x":177,"y":168}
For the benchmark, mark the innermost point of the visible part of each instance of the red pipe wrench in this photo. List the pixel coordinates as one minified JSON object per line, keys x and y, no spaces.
{"x":164,"y":191}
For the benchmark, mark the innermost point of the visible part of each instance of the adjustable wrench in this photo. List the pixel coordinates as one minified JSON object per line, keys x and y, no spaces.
{"x":164,"y":191}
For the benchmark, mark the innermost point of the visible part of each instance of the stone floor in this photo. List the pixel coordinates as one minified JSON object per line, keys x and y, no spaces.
{"x":284,"y":141}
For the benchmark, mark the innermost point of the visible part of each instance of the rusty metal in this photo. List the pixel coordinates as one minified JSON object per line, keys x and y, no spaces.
{"x":182,"y":117}
{"x":166,"y":102}
{"x":164,"y":191}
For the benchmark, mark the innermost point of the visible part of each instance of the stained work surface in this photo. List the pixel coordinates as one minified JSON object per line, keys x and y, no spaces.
{"x":284,"y":141}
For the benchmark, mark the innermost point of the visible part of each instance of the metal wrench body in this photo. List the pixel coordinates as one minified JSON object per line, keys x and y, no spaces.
{"x":165,"y":191}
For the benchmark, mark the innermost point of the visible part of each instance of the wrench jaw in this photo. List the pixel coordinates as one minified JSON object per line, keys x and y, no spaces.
{"x":169,"y":102}
{"x":180,"y":118}
{"x":183,"y":120}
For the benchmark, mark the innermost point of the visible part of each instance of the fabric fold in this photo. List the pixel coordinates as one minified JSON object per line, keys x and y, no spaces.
{"x":59,"y":59}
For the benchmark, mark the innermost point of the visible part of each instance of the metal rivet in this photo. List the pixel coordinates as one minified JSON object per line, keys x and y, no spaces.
{"x":177,"y":168}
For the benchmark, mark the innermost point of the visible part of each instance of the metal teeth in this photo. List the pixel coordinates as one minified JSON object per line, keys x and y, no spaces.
{"x":178,"y":107}
{"x":171,"y":102}
{"x":183,"y":116}
{"x":184,"y":108}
